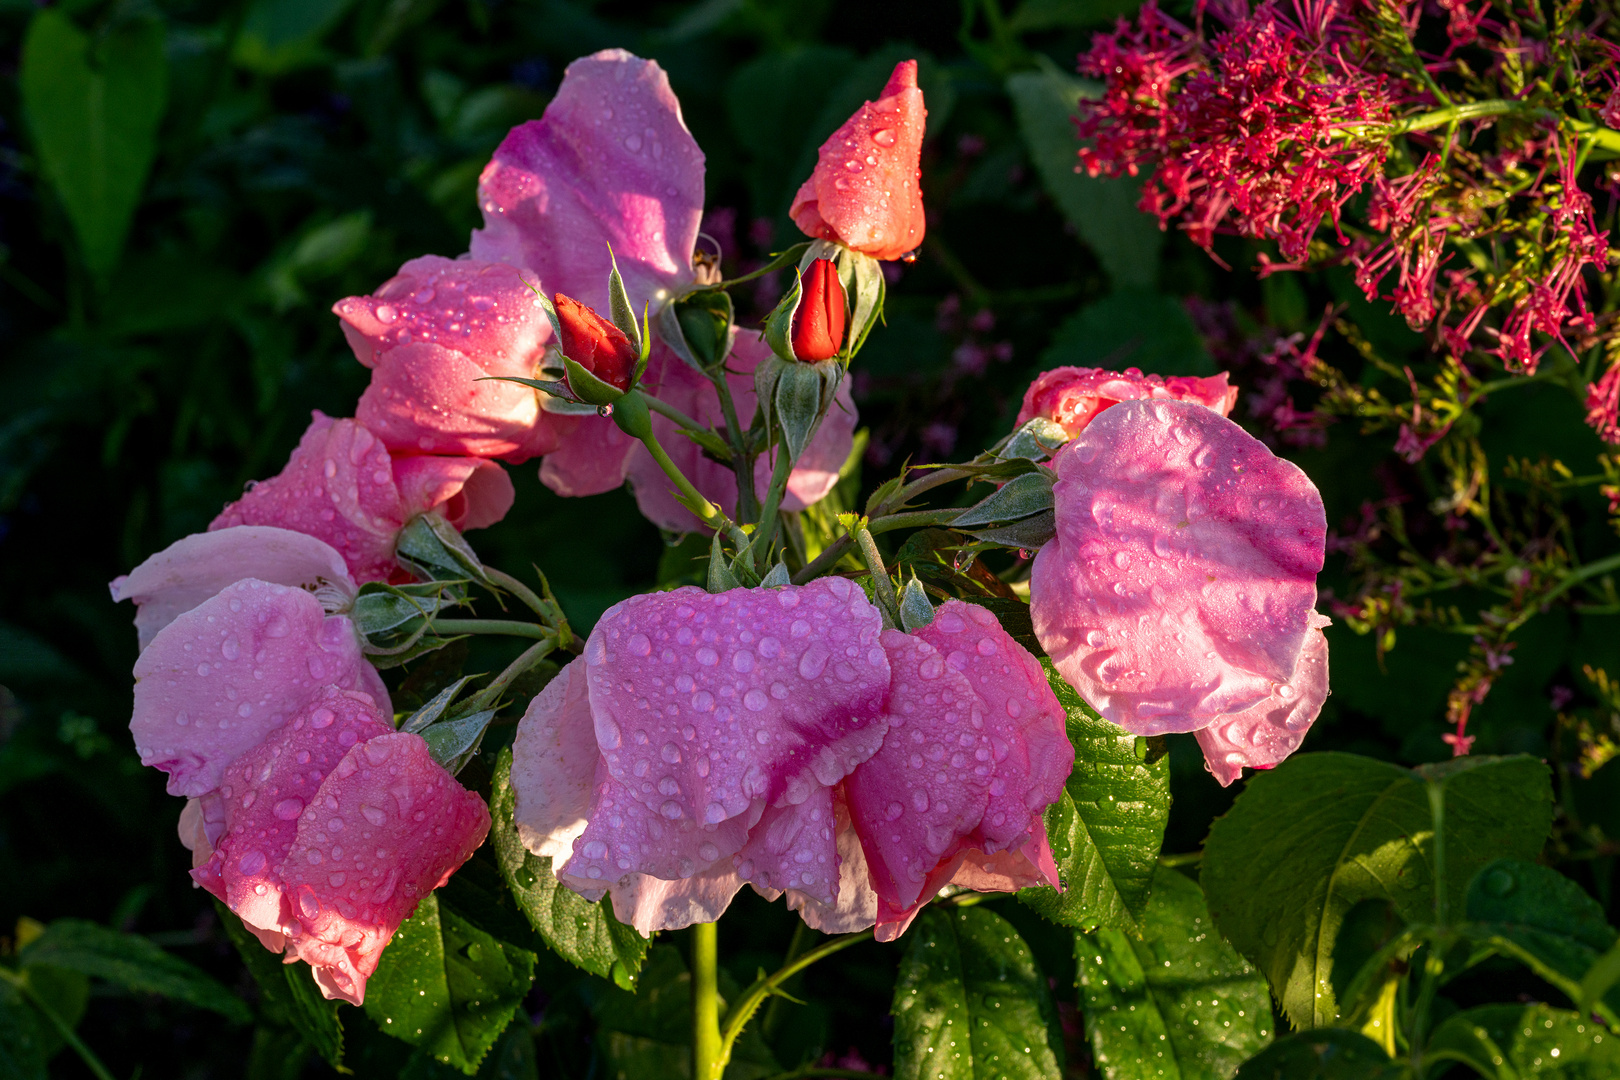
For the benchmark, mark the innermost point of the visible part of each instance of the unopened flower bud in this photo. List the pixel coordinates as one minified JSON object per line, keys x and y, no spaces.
{"x":818,"y":325}
{"x":595,"y":344}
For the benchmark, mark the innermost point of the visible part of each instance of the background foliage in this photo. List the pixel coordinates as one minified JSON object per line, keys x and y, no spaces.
{"x":195,"y":184}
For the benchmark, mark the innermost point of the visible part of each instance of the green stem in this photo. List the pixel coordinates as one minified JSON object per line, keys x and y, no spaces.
{"x":880,"y":574}
{"x":527,"y":659}
{"x":709,"y":1052}
{"x":742,"y":462}
{"x":706,"y":512}
{"x":506,"y":627}
{"x":739,"y":1014}
{"x":90,"y":1060}
{"x":801,"y":939}
{"x":1437,"y":814}
{"x":523,"y":593}
{"x":680,"y":418}
{"x":760,"y":546}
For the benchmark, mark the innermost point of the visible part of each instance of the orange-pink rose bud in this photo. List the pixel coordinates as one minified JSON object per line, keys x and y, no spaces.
{"x":818,"y":325}
{"x":595,"y":344}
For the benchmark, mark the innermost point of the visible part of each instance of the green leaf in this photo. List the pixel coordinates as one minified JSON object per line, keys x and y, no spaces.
{"x":65,"y":993}
{"x":585,"y":934}
{"x":94,"y":114}
{"x":288,"y":995}
{"x":1018,"y":498}
{"x":1179,"y":1004}
{"x":1515,"y":1042}
{"x":22,"y":1043}
{"x":1324,"y":1054}
{"x":132,"y":962}
{"x":1308,"y":840}
{"x":1604,"y":973}
{"x":1103,"y":211}
{"x":970,"y":1002}
{"x":448,"y":986}
{"x":1107,"y":828}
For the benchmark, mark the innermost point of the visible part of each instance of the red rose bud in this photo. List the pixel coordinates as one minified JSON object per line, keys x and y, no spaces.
{"x":818,"y":325}
{"x":595,"y":344}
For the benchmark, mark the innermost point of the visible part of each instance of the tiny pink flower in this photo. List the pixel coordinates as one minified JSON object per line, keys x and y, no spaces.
{"x":1073,"y":396}
{"x":342,"y":486}
{"x":218,"y":678}
{"x":1179,"y":590}
{"x":1603,"y":405}
{"x":434,"y":335}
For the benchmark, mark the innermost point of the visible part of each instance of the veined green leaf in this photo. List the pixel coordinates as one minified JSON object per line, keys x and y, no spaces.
{"x":1324,"y":1054}
{"x":1517,"y":1042}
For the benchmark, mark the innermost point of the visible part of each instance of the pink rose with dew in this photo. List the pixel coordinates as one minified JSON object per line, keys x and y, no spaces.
{"x":325,"y":836}
{"x":437,"y":336}
{"x":1179,"y":592}
{"x":707,"y":741}
{"x":216,"y":680}
{"x":1073,"y":396}
{"x":343,"y":487}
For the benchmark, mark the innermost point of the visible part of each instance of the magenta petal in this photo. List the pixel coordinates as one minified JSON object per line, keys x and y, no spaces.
{"x":1271,"y":729}
{"x":926,"y":790}
{"x":222,"y":676}
{"x":651,"y":904}
{"x":971,"y":868}
{"x":593,"y":457}
{"x":792,"y":848}
{"x":1033,"y":756}
{"x":387,"y":826}
{"x":624,"y":838}
{"x":264,"y":793}
{"x":471,"y":493}
{"x":338,"y":486}
{"x":1181,"y":582}
{"x":195,"y":567}
{"x":554,"y":761}
{"x":857,"y":902}
{"x":610,"y":162}
{"x":705,"y":704}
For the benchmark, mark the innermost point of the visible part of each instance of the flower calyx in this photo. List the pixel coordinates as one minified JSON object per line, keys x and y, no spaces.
{"x":835,"y":300}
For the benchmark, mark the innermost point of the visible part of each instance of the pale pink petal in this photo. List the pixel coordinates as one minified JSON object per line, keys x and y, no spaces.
{"x":202,"y":823}
{"x":1073,"y":396}
{"x":193,"y":568}
{"x":1180,"y":585}
{"x":471,"y":493}
{"x":338,"y":487}
{"x":592,"y":458}
{"x":264,"y":793}
{"x":971,"y":868}
{"x":625,"y":838}
{"x":222,"y":676}
{"x":792,"y":847}
{"x":857,"y":903}
{"x":554,"y":760}
{"x":387,"y":826}
{"x":610,"y":162}
{"x":483,"y":310}
{"x":926,"y":790}
{"x":1033,"y":756}
{"x":1268,"y":731}
{"x":650,"y":904}
{"x":705,"y":704}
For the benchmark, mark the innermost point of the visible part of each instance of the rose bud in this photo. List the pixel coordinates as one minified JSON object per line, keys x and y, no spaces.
{"x":818,"y":325}
{"x":864,"y":192}
{"x":595,"y":344}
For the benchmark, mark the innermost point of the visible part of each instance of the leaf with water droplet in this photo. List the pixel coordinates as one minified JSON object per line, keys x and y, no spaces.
{"x":1520,"y":1042}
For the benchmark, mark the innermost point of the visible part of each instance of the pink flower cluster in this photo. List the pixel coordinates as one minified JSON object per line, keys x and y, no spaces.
{"x":782,"y":738}
{"x":1180,"y":591}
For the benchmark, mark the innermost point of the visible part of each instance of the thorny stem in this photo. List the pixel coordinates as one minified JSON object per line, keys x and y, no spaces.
{"x":89,"y":1058}
{"x":504,"y":627}
{"x":760,"y":546}
{"x":709,"y":1052}
{"x":673,"y":413}
{"x":533,"y":602}
{"x":527,"y":659}
{"x":739,"y":1014}
{"x":880,"y":574}
{"x":706,"y":511}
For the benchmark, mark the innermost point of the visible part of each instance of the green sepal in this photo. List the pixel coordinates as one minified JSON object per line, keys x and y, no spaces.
{"x":777,"y":577}
{"x":916,"y":611}
{"x":630,"y":413}
{"x":556,"y":388}
{"x":1036,"y":439}
{"x":721,"y":578}
{"x":1030,"y":534}
{"x":619,"y":309}
{"x":435,"y":706}
{"x":588,"y":387}
{"x":803,"y":393}
{"x":452,"y":743}
{"x":779,"y":323}
{"x":431,"y":548}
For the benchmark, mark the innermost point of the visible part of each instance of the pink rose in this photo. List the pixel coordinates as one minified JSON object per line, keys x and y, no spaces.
{"x":1073,"y":396}
{"x":764,"y":737}
{"x":430,"y":334}
{"x":865,"y":192}
{"x":343,"y":487}
{"x":220,"y":677}
{"x":1179,"y":592}
{"x":325,"y":836}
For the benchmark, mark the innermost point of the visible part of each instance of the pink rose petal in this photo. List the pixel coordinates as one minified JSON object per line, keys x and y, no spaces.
{"x":705,"y":704}
{"x":1073,"y":396}
{"x":202,"y":823}
{"x":610,"y":162}
{"x":1033,"y":756}
{"x":926,"y":790}
{"x":194,"y":568}
{"x":650,"y":904}
{"x":554,"y":760}
{"x":264,"y":793}
{"x":469,"y":492}
{"x":1180,"y":585}
{"x":1271,"y":729}
{"x":593,"y":458}
{"x":338,"y":486}
{"x":792,"y":847}
{"x":856,"y":906}
{"x":971,"y":868}
{"x":220,"y":677}
{"x":386,"y":827}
